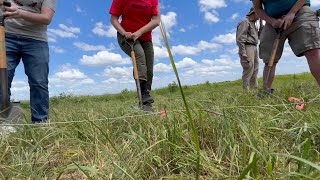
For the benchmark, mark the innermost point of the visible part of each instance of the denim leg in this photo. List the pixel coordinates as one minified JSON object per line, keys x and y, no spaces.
{"x":13,"y":57}
{"x":35,"y":57}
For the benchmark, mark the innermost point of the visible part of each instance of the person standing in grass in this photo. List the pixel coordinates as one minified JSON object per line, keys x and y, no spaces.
{"x":247,"y":40}
{"x":138,"y":19}
{"x":300,"y":26}
{"x":26,"y":39}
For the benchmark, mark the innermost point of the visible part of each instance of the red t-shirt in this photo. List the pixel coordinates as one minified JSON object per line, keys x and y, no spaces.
{"x":135,"y":14}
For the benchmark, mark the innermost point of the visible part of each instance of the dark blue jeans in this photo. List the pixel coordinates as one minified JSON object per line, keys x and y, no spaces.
{"x":35,"y":57}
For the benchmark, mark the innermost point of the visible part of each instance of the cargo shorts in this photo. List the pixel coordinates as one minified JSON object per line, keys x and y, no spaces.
{"x":302,"y":35}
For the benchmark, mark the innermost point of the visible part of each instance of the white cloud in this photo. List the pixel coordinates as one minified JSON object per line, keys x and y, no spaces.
{"x":64,"y":31}
{"x":212,"y":4}
{"x":80,"y":10}
{"x":212,"y":16}
{"x":103,"y":58}
{"x":69,"y":29}
{"x":208,"y":7}
{"x":186,"y":63}
{"x":103,"y":30}
{"x":169,"y":20}
{"x":51,"y":39}
{"x":57,"y":49}
{"x":69,"y":78}
{"x":118,"y":72}
{"x":160,"y":52}
{"x":19,"y":83}
{"x":229,"y":38}
{"x":88,"y":47}
{"x":182,"y":30}
{"x":234,"y":16}
{"x":185,"y":50}
{"x":196,"y":49}
{"x":110,"y":81}
{"x":161,"y":68}
{"x":70,"y":74}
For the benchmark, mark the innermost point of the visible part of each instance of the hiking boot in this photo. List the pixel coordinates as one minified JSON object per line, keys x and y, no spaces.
{"x":40,"y":121}
{"x":146,"y":98}
{"x":147,"y":107}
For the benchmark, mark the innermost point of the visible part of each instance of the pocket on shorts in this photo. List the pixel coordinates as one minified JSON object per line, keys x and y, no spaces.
{"x":315,"y":31}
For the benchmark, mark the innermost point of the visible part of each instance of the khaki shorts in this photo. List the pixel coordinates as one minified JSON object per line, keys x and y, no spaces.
{"x":302,"y":35}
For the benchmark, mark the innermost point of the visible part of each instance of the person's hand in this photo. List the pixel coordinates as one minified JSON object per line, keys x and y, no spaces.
{"x":136,"y":35}
{"x":287,"y":20}
{"x":277,"y":23}
{"x":128,"y":35}
{"x":243,"y":56}
{"x":12,"y":12}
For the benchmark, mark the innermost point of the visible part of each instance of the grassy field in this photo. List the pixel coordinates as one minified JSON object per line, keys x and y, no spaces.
{"x":107,"y":137}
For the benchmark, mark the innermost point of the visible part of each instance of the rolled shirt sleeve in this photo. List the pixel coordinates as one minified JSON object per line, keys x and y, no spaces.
{"x":117,"y":7}
{"x":155,"y":8}
{"x":52,"y":4}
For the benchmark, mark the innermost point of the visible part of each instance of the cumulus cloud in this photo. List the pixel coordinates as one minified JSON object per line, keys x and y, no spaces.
{"x":196,"y":49}
{"x":234,"y":16}
{"x":228,"y":38}
{"x":64,"y":31}
{"x":208,"y":7}
{"x":88,"y":47}
{"x":69,"y":78}
{"x":186,"y":63}
{"x":70,"y":74}
{"x":57,"y":49}
{"x":117,"y":72}
{"x":103,"y":58}
{"x":169,"y":20}
{"x":103,"y":30}
{"x":160,"y":52}
{"x":162,"y":68}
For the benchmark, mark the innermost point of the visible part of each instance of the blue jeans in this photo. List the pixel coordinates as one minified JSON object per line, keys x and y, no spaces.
{"x":35,"y":57}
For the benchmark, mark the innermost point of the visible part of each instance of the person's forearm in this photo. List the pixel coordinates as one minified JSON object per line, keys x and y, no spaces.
{"x":155,"y":21}
{"x":260,"y":12}
{"x":34,"y":17}
{"x":115,"y":22}
{"x":297,"y":6}
{"x":44,"y":17}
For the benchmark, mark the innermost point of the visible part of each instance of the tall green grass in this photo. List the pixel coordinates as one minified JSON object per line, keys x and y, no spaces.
{"x":195,"y":137}
{"x":106,"y":137}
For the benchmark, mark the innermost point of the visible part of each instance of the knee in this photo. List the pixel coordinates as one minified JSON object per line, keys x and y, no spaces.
{"x":39,"y":83}
{"x":311,"y":54}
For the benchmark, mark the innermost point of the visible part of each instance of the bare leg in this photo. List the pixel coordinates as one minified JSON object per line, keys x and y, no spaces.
{"x":313,"y":57}
{"x":267,"y":85}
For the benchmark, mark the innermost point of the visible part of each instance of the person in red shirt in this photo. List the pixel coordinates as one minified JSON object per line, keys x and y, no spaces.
{"x":138,"y":19}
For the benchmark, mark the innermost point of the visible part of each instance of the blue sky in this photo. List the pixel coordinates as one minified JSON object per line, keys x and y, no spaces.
{"x":85,"y":58}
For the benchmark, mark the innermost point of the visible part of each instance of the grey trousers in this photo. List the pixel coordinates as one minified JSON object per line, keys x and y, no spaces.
{"x":250,"y":67}
{"x":144,"y":57}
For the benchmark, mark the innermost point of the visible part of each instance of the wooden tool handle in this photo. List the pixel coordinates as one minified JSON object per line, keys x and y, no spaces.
{"x":275,"y":48}
{"x":135,"y":67}
{"x":274,"y":52}
{"x":3,"y":62}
